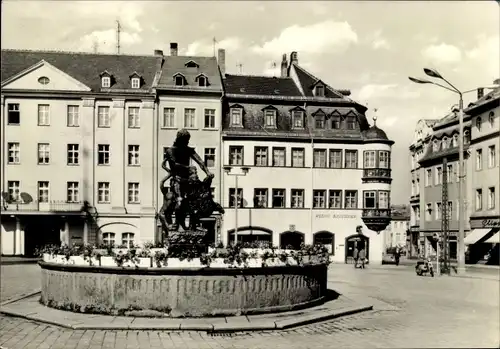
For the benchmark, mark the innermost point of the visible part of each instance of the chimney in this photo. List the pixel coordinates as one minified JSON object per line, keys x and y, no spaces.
{"x":284,"y":67}
{"x":221,"y":60}
{"x":294,"y":58}
{"x":480,"y":92}
{"x":173,"y":49}
{"x":158,"y":53}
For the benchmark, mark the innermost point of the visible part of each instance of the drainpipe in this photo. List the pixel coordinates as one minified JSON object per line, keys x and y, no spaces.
{"x":221,"y":173}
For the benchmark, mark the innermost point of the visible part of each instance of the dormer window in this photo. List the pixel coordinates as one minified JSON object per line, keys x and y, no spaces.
{"x":202,"y":80}
{"x":270,"y":117}
{"x":336,"y":120}
{"x":236,"y":116}
{"x":319,"y":91}
{"x":350,"y":122}
{"x":136,"y":82}
{"x":445,"y":143}
{"x":298,"y":119}
{"x":319,"y":121}
{"x":191,"y":64}
{"x":435,"y":145}
{"x":106,"y":81}
{"x":455,"y":140}
{"x":179,"y":80}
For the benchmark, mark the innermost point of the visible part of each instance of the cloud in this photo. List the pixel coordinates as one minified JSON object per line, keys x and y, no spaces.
{"x":487,"y":53}
{"x":378,"y":42}
{"x":442,"y":53}
{"x":390,"y":91}
{"x":315,"y":38}
{"x":106,"y":40}
{"x":206,"y":48}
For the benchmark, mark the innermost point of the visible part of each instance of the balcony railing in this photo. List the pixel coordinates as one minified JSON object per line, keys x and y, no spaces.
{"x":382,"y":174}
{"x":37,"y":206}
{"x":376,"y":219}
{"x":376,"y":212}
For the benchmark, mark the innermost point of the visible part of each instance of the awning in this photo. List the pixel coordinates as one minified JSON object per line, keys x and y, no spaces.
{"x":475,"y":235}
{"x":495,"y":239}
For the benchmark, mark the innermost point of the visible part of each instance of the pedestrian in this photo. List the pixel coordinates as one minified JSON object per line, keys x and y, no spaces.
{"x":397,"y":254}
{"x":355,"y":256}
{"x":361,"y":258}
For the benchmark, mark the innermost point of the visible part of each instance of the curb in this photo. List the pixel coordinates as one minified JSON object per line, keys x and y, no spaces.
{"x":18,"y":262}
{"x":20,"y":297}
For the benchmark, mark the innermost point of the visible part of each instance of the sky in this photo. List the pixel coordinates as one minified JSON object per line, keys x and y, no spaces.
{"x":369,"y":48}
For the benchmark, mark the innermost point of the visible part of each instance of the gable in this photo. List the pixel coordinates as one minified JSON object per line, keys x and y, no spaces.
{"x":54,"y":79}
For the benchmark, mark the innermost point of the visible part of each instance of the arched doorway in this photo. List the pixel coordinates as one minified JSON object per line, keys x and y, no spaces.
{"x":251,"y":234}
{"x":291,"y":240}
{"x":40,"y":231}
{"x":326,"y":239}
{"x":358,"y":241}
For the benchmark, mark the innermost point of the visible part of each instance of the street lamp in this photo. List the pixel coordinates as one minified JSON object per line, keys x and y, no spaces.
{"x":244,"y":171}
{"x":461,"y":214}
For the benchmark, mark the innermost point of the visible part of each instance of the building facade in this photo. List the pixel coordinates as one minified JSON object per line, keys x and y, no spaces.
{"x":303,"y":165}
{"x":396,"y":233}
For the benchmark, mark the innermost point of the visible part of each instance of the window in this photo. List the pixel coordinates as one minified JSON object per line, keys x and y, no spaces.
{"x":202,"y":81}
{"x":103,"y":193}
{"x":319,"y":121}
{"x":136,"y":82}
{"x":335,"y":158}
{"x":298,"y":119}
{"x":384,"y":159}
{"x":479,"y":199}
{"x":439,"y":213}
{"x":335,"y":199}
{"x":418,"y":186}
{"x":232,"y":197}
{"x":210,"y":157}
{"x":336,"y":122}
{"x":297,"y":198}
{"x":449,"y":211}
{"x":319,"y":91}
{"x":189,"y":118}
{"x":279,"y":157}
{"x":351,"y":199}
{"x":43,"y":80}
{"x":103,"y":119}
{"x":445,"y":142}
{"x":298,"y":157}
{"x":133,"y":193}
{"x":72,"y":192}
{"x":13,"y":188}
{"x":43,"y":191}
{"x":439,"y":175}
{"x":14,"y":153}
{"x":319,"y":198}
{"x":319,"y":158}
{"x":428,"y":177}
{"x":209,"y":118}
{"x":133,"y":155}
{"x":128,"y":239}
{"x":417,"y":213}
{"x":479,"y":159}
{"x":260,"y":196}
{"x":43,"y":115}
{"x":13,"y":114}
{"x":370,"y":159}
{"x":491,"y":198}
{"x":478,"y":123}
{"x":370,"y":198}
{"x":73,"y":117}
{"x":103,"y":154}
{"x":108,"y":239}
{"x":428,"y":212}
{"x":133,"y":117}
{"x":270,"y":118}
{"x":351,"y":159}
{"x":491,"y":119}
{"x":179,"y":80}
{"x":236,"y":117}
{"x":454,"y":142}
{"x":449,"y":173}
{"x":105,"y":81}
{"x":278,"y":197}
{"x":466,"y":137}
{"x":350,"y":122}
{"x":168,"y":117}
{"x":43,"y":153}
{"x":73,"y":154}
{"x":235,"y":155}
{"x":435,"y":145}
{"x":383,"y":200}
{"x":492,"y":161}
{"x":260,"y":156}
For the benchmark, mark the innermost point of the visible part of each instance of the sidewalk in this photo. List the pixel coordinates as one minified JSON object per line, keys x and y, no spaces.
{"x":11,"y":260}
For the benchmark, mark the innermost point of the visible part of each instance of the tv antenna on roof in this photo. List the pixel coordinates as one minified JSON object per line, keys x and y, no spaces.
{"x":240,"y":66}
{"x":118,"y":29}
{"x":214,"y":43}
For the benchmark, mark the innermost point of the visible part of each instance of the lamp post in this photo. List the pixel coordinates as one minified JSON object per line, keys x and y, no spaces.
{"x":244,"y":171}
{"x":461,"y":173}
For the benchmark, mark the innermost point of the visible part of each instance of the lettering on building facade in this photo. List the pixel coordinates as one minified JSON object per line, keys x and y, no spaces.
{"x":335,"y":216}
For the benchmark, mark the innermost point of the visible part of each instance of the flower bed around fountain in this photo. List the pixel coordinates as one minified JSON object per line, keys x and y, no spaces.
{"x":160,"y":281}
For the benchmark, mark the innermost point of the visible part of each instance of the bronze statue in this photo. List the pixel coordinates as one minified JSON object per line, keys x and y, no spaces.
{"x":178,"y":158}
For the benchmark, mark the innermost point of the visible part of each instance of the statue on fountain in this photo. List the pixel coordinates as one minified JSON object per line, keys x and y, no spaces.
{"x":188,"y":195}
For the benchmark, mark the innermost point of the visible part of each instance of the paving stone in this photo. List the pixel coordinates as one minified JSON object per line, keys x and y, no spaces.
{"x":196,"y":324}
{"x":153,"y":324}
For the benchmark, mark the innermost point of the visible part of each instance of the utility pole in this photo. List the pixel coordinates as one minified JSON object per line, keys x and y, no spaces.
{"x":445,"y":216}
{"x":118,"y":29}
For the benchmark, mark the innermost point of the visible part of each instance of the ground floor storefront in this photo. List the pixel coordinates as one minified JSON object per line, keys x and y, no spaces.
{"x":289,"y":228}
{"x":483,"y":241}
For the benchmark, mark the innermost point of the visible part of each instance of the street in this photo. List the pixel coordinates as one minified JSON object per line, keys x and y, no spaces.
{"x":410,"y":312}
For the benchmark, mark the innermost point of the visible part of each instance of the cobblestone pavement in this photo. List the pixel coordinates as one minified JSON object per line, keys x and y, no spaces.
{"x":423,"y":312}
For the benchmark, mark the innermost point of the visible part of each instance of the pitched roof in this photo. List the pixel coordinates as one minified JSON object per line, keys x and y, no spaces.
{"x":260,"y":85}
{"x":177,"y":64}
{"x":491,"y":96}
{"x":307,"y":81}
{"x":84,"y":67}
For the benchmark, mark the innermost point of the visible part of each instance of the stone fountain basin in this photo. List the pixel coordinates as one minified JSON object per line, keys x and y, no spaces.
{"x":180,"y":289}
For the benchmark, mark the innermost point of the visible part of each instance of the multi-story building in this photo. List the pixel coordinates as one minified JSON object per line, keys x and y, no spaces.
{"x":417,"y":149}
{"x":80,"y":127}
{"x":316,"y":171}
{"x":485,"y":177}
{"x":395,"y":234}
